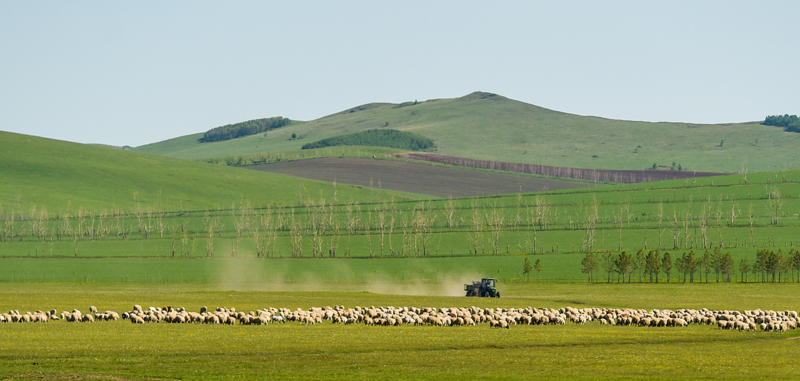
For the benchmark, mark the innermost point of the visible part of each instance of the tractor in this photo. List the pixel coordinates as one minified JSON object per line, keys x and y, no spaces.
{"x":484,"y":288}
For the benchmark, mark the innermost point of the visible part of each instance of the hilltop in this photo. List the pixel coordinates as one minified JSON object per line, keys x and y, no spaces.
{"x":492,"y":127}
{"x":58,"y":175}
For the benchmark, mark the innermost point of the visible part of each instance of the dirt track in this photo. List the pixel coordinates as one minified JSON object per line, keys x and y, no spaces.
{"x":416,"y":178}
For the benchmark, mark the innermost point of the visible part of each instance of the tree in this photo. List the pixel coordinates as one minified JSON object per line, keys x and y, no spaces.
{"x":538,"y":266}
{"x":761,"y":264}
{"x":790,"y":122}
{"x":775,"y":205}
{"x":706,"y":261}
{"x":250,"y":127}
{"x":680,"y":264}
{"x":795,"y":263}
{"x":294,"y":136}
{"x":652,"y":265}
{"x":744,"y":268}
{"x":767,"y":262}
{"x":639,"y":263}
{"x":608,"y":264}
{"x":623,"y":264}
{"x":666,"y":265}
{"x":691,"y":265}
{"x":716,"y":262}
{"x":728,"y":266}
{"x":449,"y":213}
{"x":589,"y":265}
{"x":526,"y":269}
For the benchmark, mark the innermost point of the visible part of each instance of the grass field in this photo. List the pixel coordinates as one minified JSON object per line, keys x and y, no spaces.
{"x":449,"y":273}
{"x":483,"y":126}
{"x":726,"y":212}
{"x":120,"y":350}
{"x":61,"y":176}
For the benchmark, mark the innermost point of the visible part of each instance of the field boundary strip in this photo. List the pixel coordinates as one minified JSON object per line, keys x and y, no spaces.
{"x":599,"y":175}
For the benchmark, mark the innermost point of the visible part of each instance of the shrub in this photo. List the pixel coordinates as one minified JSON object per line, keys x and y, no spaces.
{"x":377,"y":138}
{"x":790,"y":122}
{"x":238,"y":130}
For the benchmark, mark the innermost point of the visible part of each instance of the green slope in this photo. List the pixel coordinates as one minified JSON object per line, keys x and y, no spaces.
{"x":60,"y":175}
{"x":492,"y":127}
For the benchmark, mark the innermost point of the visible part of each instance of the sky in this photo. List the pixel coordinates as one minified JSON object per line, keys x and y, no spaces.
{"x":133,"y":73}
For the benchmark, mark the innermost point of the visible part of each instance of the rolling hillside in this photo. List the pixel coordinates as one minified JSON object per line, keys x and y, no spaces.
{"x":59,"y":175}
{"x":491,"y":127}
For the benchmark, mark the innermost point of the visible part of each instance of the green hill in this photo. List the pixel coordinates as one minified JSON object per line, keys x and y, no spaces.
{"x":492,"y":127}
{"x":59,"y":175}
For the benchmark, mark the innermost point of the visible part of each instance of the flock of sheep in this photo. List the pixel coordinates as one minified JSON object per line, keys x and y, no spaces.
{"x":778,"y":321}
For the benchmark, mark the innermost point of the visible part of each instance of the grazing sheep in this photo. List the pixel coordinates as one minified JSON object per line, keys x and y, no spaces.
{"x":750,"y":320}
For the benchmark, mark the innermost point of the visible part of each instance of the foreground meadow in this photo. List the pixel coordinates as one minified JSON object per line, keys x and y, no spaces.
{"x":121,"y":350}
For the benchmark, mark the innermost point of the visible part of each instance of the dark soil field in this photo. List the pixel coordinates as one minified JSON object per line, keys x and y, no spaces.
{"x":415,"y":178}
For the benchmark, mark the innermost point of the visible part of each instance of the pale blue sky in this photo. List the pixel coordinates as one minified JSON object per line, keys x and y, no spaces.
{"x":132,"y":73}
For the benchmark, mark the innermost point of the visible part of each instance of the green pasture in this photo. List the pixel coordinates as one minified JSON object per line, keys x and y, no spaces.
{"x":490,"y":127}
{"x":444,"y":274}
{"x":730,"y":212}
{"x":121,"y":350}
{"x":62,"y":177}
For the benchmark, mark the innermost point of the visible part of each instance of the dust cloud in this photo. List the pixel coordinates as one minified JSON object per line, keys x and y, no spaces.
{"x":284,"y":275}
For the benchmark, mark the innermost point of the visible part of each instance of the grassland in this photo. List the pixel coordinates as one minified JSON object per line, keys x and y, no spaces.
{"x":407,"y":240}
{"x":120,"y":350}
{"x":492,"y":127}
{"x":56,"y":175}
{"x":69,"y":239}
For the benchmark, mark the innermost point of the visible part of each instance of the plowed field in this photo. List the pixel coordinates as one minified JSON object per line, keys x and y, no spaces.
{"x":415,"y":178}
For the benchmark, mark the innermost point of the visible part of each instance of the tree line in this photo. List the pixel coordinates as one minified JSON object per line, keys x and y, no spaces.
{"x":623,"y":267}
{"x":487,"y":227}
{"x":790,"y":122}
{"x":597,"y":175}
{"x":238,"y":130}
{"x":377,"y":138}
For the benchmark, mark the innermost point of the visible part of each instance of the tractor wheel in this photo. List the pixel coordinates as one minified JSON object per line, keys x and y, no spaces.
{"x":498,"y":294}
